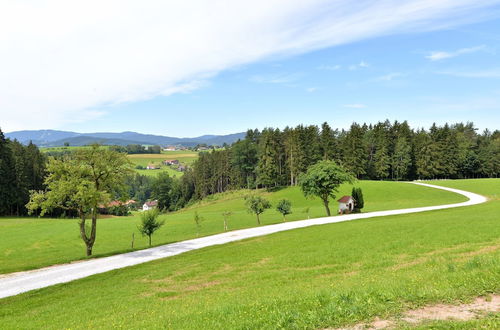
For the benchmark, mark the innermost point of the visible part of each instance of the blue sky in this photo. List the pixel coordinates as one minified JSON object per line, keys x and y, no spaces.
{"x":445,"y":71}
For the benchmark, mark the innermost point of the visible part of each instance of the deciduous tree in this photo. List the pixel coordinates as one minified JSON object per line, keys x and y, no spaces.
{"x":257,"y":205}
{"x":323,"y":180}
{"x":82,"y":181}
{"x":149,"y":223}
{"x":284,"y":207}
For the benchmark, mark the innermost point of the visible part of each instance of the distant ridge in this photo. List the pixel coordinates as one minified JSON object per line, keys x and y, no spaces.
{"x":55,"y":138}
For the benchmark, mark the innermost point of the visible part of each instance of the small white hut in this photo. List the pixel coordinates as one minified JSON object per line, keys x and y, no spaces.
{"x":346,"y":204}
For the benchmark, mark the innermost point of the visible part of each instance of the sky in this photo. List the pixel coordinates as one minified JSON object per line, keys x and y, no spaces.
{"x":217,"y":67}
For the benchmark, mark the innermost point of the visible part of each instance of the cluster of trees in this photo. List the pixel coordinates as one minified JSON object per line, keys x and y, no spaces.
{"x":384,"y":151}
{"x":273,"y":157}
{"x":22,"y":168}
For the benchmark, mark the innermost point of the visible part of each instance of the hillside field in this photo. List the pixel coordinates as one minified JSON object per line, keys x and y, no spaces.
{"x":323,"y":276}
{"x":29,"y":243}
{"x":185,"y":157}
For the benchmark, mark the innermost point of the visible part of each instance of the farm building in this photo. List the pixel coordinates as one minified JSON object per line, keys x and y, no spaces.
{"x":171,"y":162}
{"x":346,"y":204}
{"x":152,"y":167}
{"x":117,"y":207}
{"x":149,"y":205}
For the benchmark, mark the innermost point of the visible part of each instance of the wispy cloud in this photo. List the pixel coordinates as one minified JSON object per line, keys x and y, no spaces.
{"x":354,"y":106}
{"x":61,"y":58}
{"x":329,"y":67}
{"x":491,"y":73}
{"x":441,"y":55}
{"x":311,"y":89}
{"x":360,"y":65}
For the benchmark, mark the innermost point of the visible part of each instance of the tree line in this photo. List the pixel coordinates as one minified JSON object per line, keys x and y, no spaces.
{"x":274,"y":157}
{"x":384,"y":151}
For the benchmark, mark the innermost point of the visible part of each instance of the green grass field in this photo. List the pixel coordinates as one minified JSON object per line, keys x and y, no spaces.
{"x":29,"y":243}
{"x":185,"y":157}
{"x":317,"y":277}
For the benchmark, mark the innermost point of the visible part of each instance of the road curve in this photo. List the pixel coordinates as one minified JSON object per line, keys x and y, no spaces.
{"x":16,"y":283}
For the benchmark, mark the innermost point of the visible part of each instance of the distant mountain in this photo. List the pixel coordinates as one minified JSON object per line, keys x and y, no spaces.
{"x":40,"y":137}
{"x":53,"y":138}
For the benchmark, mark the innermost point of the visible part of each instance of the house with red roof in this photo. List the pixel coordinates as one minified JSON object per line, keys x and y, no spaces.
{"x":149,"y":205}
{"x":346,"y":204}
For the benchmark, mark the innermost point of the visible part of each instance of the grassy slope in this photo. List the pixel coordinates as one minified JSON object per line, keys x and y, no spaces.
{"x":29,"y":243}
{"x":322,"y":276}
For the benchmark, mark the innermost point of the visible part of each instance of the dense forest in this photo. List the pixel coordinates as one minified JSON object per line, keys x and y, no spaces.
{"x":22,"y":168}
{"x":385,"y":151}
{"x":274,"y":157}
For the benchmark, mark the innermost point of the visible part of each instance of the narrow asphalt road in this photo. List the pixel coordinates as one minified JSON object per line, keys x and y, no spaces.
{"x":16,"y":283}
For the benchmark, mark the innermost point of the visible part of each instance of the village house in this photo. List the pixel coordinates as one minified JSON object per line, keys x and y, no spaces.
{"x":346,"y":204}
{"x":170,"y":148}
{"x":152,"y":167}
{"x":114,"y":205}
{"x":181,"y":168}
{"x":149,"y":205}
{"x":171,"y":162}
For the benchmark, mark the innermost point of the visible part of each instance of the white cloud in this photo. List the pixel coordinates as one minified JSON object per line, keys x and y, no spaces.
{"x":311,"y":89}
{"x":360,"y":65}
{"x":62,"y":61}
{"x":440,"y":55}
{"x":354,"y":106}
{"x":363,"y":64}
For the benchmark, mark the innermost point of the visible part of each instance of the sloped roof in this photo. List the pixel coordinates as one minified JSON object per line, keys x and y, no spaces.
{"x":152,"y":203}
{"x":345,"y":199}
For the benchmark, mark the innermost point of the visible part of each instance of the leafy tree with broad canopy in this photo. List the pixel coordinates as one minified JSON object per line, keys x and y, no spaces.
{"x":323,"y":180}
{"x":81,"y":181}
{"x":257,"y":205}
{"x":149,"y":223}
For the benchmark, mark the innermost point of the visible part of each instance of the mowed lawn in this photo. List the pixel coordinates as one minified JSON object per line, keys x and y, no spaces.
{"x":29,"y":243}
{"x":323,"y":276}
{"x":185,"y":157}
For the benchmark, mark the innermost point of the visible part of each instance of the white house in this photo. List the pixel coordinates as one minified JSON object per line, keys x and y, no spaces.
{"x":152,"y":167}
{"x":171,"y":162}
{"x":149,"y":205}
{"x":346,"y":204}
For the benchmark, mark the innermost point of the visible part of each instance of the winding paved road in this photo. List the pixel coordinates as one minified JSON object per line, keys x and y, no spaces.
{"x":16,"y":283}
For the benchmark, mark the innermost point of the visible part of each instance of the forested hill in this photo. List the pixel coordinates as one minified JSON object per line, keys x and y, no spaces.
{"x":274,"y":157}
{"x":385,"y":151}
{"x":54,"y":138}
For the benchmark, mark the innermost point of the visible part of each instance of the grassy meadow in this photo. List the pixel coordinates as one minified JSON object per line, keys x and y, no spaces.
{"x":30,"y":243}
{"x":185,"y":157}
{"x":322,"y":276}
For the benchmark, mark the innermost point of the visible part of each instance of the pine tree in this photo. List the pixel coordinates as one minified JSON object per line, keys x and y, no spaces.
{"x":401,"y":160}
{"x":355,"y":157}
{"x":327,"y":142}
{"x":7,"y":177}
